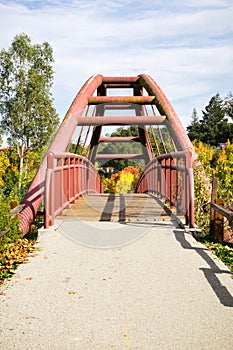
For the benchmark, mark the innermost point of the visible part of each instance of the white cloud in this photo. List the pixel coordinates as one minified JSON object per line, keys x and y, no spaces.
{"x":184,"y":45}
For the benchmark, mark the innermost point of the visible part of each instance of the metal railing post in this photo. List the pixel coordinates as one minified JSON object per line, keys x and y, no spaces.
{"x":49,"y":190}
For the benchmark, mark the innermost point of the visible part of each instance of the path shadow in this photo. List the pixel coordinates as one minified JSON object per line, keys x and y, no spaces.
{"x":108,"y":209}
{"x":122,"y":212}
{"x":210,"y":273}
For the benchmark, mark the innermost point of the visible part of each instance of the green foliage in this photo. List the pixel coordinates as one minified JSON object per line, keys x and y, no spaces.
{"x":10,"y":177}
{"x":202,"y":193}
{"x":202,"y":185}
{"x":214,"y":127}
{"x":78,"y":149}
{"x":122,"y":148}
{"x":4,"y":164}
{"x":223,"y":252}
{"x":26,"y":76}
{"x":26,"y":105}
{"x":228,"y":105}
{"x":9,"y":227}
{"x":13,"y":249}
{"x":161,"y":141}
{"x":224,"y":173}
{"x":213,"y":163}
{"x":195,"y":128}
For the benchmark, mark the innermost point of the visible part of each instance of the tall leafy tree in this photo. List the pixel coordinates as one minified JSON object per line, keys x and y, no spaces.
{"x":27,"y":114}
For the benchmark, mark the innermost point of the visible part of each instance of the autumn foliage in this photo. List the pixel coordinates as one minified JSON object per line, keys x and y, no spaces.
{"x":123,"y":181}
{"x":213,"y":162}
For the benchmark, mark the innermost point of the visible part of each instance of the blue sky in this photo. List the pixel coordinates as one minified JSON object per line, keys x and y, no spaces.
{"x":185,"y":46}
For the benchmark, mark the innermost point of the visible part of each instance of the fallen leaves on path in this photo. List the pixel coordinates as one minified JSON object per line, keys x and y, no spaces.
{"x":17,"y":253}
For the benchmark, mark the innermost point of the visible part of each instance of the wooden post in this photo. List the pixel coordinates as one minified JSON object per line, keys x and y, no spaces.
{"x":216,"y":219}
{"x":218,"y":224}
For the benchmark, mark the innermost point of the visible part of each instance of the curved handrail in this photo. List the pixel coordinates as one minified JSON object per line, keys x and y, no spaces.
{"x":69,"y":176}
{"x":170,"y":177}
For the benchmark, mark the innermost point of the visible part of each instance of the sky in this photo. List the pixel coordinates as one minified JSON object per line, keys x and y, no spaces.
{"x":185,"y":46}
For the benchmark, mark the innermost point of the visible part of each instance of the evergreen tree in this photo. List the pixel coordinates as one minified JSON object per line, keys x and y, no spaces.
{"x":229,"y":105}
{"x":214,"y":128}
{"x":194,"y":128}
{"x":28,"y":117}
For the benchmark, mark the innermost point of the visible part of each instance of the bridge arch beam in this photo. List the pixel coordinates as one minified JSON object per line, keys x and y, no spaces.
{"x":99,"y":84}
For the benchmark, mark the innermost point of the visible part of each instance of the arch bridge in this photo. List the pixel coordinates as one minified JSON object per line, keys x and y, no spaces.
{"x":158,"y":143}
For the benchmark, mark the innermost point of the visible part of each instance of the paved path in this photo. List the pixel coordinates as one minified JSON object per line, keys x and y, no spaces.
{"x":162,"y":291}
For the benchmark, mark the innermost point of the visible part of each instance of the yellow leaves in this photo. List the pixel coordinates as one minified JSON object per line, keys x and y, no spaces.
{"x":205,"y":153}
{"x":124,"y":184}
{"x":123,"y":181}
{"x":17,"y":253}
{"x":229,"y":151}
{"x":4,"y":163}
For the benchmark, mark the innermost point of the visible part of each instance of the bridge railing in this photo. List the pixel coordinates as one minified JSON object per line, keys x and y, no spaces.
{"x":68,"y":177}
{"x":170,"y":178}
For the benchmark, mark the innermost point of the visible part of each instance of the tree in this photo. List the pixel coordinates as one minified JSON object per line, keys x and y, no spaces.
{"x":228,"y":104}
{"x":214,"y":128}
{"x":26,"y":77}
{"x":194,"y":128}
{"x":214,"y":124}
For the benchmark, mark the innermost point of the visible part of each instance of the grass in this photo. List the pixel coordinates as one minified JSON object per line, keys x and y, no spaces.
{"x":223,"y":252}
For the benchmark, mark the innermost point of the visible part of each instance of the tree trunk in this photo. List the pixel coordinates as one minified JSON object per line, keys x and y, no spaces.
{"x":21,"y":164}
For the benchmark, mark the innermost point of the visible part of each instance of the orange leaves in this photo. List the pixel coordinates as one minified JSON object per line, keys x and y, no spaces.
{"x":205,"y":153}
{"x":122,"y":182}
{"x":16,"y":254}
{"x":4,"y":164}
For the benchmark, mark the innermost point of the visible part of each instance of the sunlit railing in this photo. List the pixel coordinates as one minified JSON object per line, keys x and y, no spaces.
{"x":170,"y":178}
{"x":69,"y":176}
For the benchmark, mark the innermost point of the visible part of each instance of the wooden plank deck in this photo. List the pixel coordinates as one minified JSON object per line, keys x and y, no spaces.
{"x":116,"y":207}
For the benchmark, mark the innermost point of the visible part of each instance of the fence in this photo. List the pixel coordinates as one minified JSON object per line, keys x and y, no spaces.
{"x":69,"y":176}
{"x":217,"y":214}
{"x":170,"y":178}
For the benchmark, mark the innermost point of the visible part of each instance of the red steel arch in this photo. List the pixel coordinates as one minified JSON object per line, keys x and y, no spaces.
{"x":94,"y":92}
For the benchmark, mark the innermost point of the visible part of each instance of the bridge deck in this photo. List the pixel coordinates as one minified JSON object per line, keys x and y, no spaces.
{"x":116,"y":207}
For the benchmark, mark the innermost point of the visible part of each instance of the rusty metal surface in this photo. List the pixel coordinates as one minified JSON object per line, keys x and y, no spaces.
{"x":143,"y":100}
{"x":120,"y":156}
{"x":119,"y":139}
{"x":119,"y":80}
{"x":120,"y":120}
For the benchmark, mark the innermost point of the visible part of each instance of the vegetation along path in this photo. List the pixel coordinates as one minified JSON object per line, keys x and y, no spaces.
{"x":161,"y":290}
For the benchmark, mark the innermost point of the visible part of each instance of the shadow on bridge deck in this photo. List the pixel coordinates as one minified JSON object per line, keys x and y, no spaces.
{"x":112,"y":220}
{"x":117,"y":207}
